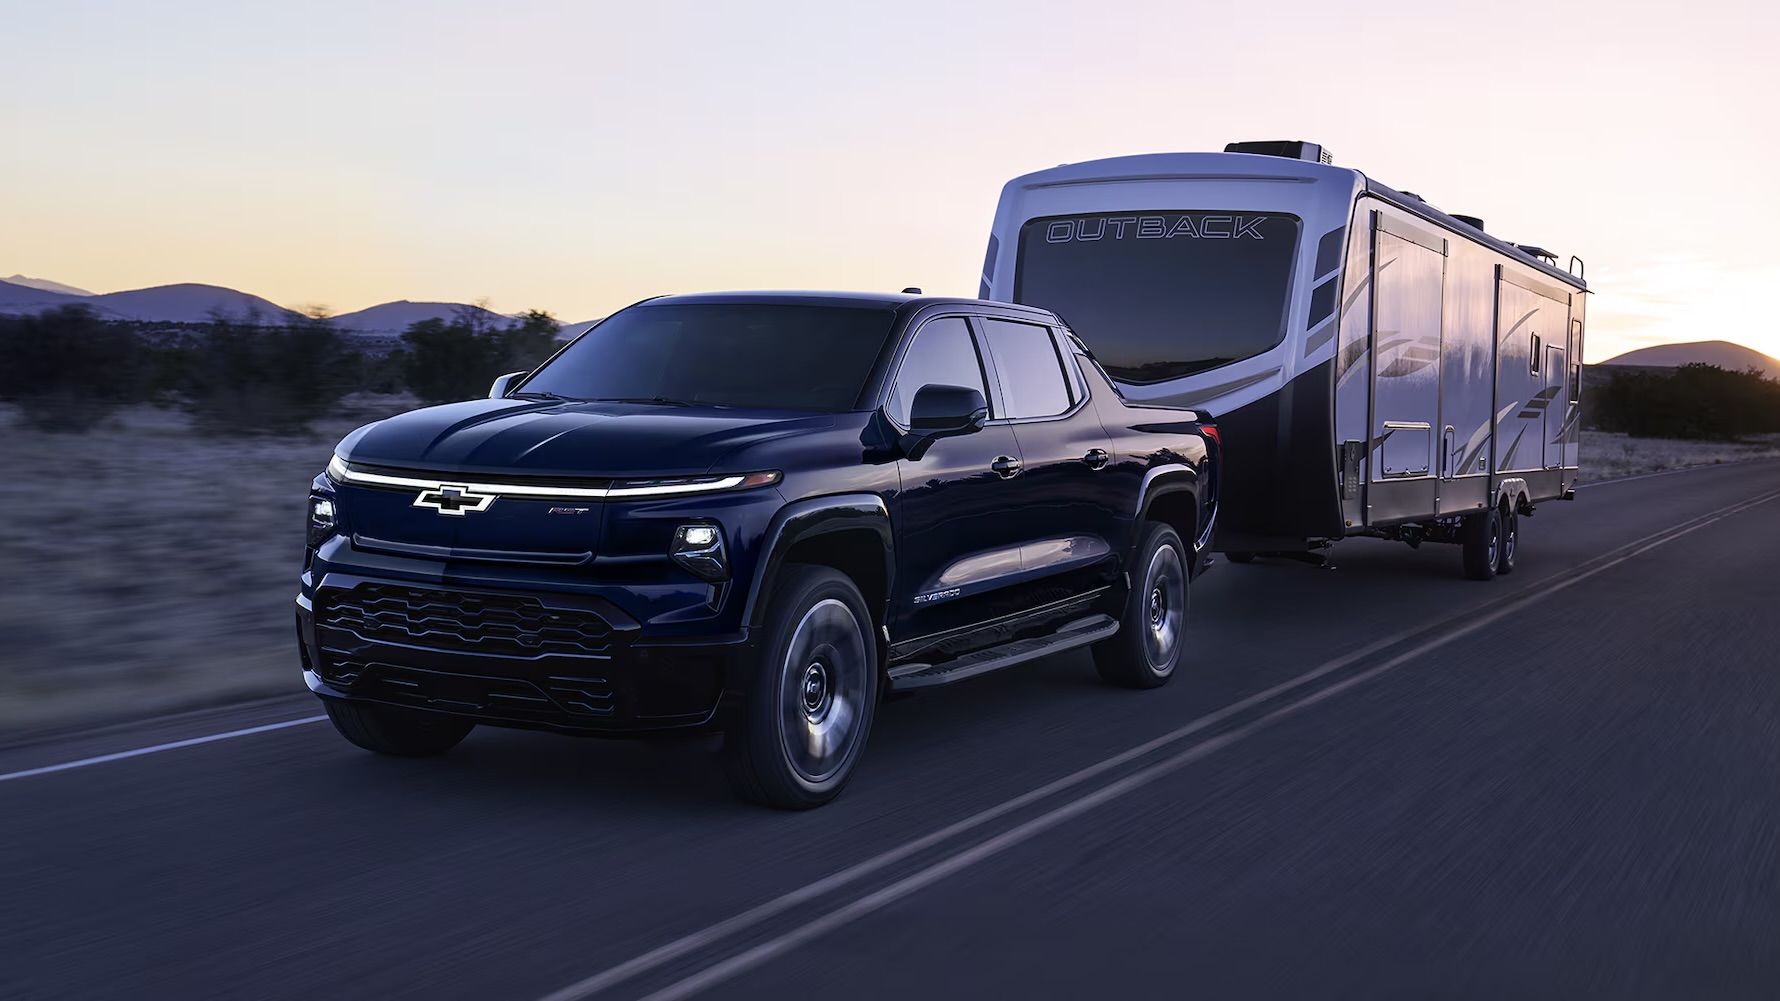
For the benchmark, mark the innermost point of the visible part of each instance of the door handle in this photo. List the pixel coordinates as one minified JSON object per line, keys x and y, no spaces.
{"x":1006,"y":466}
{"x":1097,"y":458}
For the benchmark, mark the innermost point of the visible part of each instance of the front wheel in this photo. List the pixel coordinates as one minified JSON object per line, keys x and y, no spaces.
{"x":403,"y":733}
{"x":1153,"y":629}
{"x":797,"y":732}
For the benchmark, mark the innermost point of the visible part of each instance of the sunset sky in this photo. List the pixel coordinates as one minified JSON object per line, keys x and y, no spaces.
{"x":576,"y":157}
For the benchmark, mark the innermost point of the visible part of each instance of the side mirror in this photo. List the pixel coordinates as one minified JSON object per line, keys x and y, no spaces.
{"x":943,"y":412}
{"x":504,"y":383}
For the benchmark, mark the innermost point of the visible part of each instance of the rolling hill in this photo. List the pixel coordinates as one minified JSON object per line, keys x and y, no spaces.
{"x":394,"y":317}
{"x":1723,"y":354}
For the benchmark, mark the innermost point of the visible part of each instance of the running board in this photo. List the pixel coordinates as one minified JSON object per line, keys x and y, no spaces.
{"x":1081,"y":632}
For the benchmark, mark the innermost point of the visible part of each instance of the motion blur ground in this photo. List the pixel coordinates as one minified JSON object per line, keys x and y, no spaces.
{"x":1576,"y":798}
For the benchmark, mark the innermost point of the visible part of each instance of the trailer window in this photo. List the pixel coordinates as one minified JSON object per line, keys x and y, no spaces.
{"x":1159,"y":295}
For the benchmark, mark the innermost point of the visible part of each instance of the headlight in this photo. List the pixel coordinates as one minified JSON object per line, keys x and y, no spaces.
{"x":321,"y":520}
{"x":699,"y":548}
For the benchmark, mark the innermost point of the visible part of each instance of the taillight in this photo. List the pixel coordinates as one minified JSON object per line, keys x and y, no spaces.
{"x":1211,"y":431}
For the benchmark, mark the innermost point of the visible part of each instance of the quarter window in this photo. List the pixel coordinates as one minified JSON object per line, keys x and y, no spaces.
{"x":1029,"y":368}
{"x":942,"y":354}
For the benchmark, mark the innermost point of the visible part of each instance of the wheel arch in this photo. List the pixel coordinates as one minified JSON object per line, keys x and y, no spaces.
{"x":848,"y":532}
{"x":1170,"y":494}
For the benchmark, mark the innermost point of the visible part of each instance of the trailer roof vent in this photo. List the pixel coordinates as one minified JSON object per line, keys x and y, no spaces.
{"x":1470,"y":220}
{"x":1291,"y":149}
{"x":1539,"y":252}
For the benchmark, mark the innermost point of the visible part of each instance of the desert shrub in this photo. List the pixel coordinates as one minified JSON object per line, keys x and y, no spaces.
{"x":66,"y":369}
{"x":240,"y":378}
{"x":457,"y":360}
{"x":1693,"y":401}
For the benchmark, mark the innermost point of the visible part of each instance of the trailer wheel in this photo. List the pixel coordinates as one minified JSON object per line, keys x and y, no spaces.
{"x":1510,"y":542}
{"x":1481,"y":542}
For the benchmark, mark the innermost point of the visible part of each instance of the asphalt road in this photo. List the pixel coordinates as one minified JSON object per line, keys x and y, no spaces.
{"x":1377,"y":781}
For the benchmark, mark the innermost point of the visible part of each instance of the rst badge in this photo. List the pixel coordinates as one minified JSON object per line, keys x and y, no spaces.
{"x":453,"y":500}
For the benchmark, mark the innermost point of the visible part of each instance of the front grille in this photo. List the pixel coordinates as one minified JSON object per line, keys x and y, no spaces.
{"x":499,"y":625}
{"x":554,"y":699}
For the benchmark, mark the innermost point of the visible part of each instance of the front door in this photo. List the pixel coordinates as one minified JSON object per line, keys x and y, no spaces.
{"x":957,"y":548}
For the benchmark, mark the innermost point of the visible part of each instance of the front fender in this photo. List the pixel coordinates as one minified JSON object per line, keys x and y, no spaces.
{"x":808,"y":518}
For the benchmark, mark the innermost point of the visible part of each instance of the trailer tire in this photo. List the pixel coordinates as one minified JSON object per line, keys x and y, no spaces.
{"x":1510,"y":542}
{"x":1481,"y":542}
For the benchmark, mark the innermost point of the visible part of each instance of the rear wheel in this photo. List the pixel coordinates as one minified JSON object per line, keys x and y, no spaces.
{"x":1481,"y":541}
{"x":404,"y":733}
{"x":1153,"y":630}
{"x":1510,"y":542}
{"x":797,"y":732}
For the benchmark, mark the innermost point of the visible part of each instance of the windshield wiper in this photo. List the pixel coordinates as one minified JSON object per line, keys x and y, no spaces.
{"x":538,"y":394}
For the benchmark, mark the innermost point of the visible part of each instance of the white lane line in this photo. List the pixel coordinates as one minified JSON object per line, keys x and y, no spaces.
{"x":877,"y":900}
{"x":158,"y":748}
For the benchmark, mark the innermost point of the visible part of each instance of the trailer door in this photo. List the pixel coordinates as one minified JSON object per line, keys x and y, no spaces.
{"x":1557,"y":412}
{"x":1409,"y":273}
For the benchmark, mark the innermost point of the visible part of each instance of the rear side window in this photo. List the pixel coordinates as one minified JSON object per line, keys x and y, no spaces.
{"x":942,"y":354}
{"x":1029,"y":367}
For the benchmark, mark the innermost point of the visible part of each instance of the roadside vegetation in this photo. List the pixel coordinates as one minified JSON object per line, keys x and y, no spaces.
{"x":1694,"y":402}
{"x":67,"y":370}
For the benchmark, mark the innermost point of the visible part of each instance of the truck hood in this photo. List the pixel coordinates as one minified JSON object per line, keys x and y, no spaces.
{"x":567,"y":439}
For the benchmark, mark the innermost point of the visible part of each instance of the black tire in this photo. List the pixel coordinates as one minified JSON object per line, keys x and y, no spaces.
{"x":1510,"y":542}
{"x":1240,"y":556}
{"x":1481,"y":539}
{"x":404,"y":733}
{"x":1152,"y":630}
{"x":794,"y":736}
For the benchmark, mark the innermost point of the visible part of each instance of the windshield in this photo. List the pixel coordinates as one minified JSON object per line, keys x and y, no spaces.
{"x":1159,"y":295}
{"x":755,"y":355}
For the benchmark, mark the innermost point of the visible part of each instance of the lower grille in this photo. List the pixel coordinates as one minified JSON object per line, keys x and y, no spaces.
{"x":553,"y":699}
{"x":501,"y":625}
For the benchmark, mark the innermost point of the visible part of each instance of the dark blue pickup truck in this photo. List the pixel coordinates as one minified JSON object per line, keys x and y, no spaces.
{"x":757,"y":512}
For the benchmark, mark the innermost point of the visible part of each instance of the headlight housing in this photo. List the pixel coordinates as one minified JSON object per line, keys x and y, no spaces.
{"x":322,"y":521}
{"x":699,"y":548}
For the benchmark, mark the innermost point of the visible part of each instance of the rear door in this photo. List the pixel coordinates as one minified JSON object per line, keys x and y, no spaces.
{"x":1069,"y":513}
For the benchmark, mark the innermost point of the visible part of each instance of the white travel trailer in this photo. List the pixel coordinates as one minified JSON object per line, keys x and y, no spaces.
{"x":1376,"y":366}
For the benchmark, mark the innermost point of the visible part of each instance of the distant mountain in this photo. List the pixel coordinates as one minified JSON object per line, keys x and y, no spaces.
{"x":16,"y":298}
{"x":394,"y":317}
{"x":570,"y":330}
{"x":191,"y":303}
{"x":1723,"y":354}
{"x":45,"y":285}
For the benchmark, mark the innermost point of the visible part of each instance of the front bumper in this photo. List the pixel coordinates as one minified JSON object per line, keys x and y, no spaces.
{"x":569,"y":662}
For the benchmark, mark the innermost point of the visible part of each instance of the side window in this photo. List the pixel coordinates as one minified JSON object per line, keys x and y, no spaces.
{"x":942,"y":354}
{"x":1029,"y":367}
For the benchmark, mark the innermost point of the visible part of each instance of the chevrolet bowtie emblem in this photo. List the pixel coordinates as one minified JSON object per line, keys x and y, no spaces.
{"x":453,"y":500}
